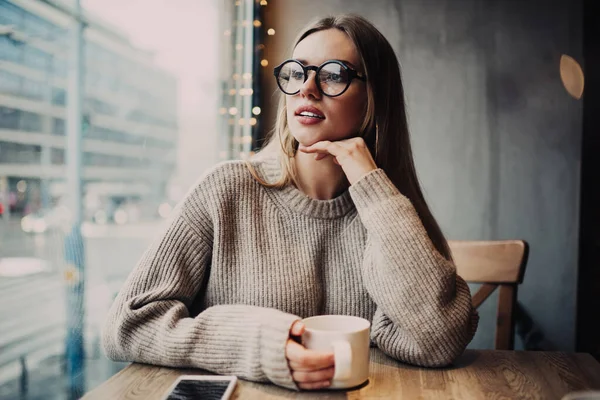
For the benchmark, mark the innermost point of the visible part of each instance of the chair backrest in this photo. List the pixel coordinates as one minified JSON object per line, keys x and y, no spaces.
{"x":495,"y":264}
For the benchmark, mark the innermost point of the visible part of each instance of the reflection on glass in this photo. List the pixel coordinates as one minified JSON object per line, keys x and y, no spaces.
{"x":145,"y":91}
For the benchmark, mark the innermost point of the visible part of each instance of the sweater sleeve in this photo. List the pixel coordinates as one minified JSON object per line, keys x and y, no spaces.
{"x":149,"y":321}
{"x":424,"y":314}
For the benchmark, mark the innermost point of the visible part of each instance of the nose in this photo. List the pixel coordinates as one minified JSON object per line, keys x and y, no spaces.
{"x":309,"y":88}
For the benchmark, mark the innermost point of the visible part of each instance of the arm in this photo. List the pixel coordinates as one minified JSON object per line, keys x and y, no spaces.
{"x":424,"y":314}
{"x":150,"y":321}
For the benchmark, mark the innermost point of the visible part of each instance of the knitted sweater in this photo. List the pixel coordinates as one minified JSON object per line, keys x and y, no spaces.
{"x":239,"y":263}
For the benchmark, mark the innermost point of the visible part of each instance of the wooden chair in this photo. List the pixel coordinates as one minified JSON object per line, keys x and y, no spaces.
{"x":494,"y":264}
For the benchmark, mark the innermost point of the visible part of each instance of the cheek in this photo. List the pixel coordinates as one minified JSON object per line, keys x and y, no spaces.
{"x":350,"y":114}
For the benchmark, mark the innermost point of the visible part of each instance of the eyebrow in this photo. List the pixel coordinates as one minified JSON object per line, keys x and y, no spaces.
{"x":334,"y":59}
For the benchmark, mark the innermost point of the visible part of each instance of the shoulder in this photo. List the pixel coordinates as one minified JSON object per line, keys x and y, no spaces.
{"x":221,"y":180}
{"x":220,"y":186}
{"x":225,"y":173}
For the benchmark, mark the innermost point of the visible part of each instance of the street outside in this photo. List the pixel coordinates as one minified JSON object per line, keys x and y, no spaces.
{"x":33,"y":288}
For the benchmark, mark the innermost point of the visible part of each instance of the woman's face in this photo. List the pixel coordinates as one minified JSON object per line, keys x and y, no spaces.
{"x":342,"y":116}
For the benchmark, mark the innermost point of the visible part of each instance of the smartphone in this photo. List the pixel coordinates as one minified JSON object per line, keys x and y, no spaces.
{"x":202,"y":387}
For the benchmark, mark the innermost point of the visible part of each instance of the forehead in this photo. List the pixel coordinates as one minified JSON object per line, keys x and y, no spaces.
{"x":330,"y":44}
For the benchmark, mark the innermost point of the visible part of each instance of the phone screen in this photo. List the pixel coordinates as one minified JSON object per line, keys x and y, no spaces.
{"x":194,"y":389}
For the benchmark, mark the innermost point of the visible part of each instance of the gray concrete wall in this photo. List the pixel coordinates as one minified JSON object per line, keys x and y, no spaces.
{"x":495,"y":135}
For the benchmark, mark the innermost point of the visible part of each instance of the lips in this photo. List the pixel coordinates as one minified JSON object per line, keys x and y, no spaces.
{"x":309,"y":115}
{"x":310,"y":112}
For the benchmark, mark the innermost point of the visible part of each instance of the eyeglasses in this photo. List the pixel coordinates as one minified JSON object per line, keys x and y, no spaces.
{"x":333,"y":77}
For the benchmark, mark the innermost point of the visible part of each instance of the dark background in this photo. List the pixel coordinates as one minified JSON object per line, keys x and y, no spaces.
{"x":497,"y":139}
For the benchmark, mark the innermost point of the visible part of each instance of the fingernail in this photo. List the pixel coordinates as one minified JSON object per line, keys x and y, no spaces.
{"x":327,"y":383}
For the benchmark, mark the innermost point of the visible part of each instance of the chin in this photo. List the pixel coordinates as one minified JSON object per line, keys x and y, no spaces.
{"x":307,"y":136}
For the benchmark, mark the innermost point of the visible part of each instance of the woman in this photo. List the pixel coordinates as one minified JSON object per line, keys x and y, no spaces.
{"x":328,"y":219}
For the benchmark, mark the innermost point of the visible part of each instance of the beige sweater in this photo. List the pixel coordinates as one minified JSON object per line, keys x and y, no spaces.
{"x":239,"y":263}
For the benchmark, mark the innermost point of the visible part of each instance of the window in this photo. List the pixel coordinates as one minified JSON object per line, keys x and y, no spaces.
{"x":59,"y":67}
{"x":35,"y":58}
{"x":131,"y":74}
{"x":37,"y":27}
{"x":10,"y":14}
{"x":57,"y":156}
{"x":10,"y":83}
{"x":10,"y":50}
{"x":59,"y":97}
{"x":106,"y":160}
{"x":30,"y":122}
{"x":16,"y":153}
{"x":34,"y":90}
{"x":100,"y":107}
{"x":9,"y":118}
{"x":58,"y":126}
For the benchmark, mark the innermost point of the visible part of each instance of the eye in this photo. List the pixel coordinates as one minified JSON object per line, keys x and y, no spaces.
{"x":334,"y":77}
{"x":298,"y":75}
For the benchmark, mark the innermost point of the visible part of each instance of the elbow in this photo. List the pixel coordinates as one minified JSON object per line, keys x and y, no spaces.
{"x":114,"y":341}
{"x":436,"y":347}
{"x":110,"y":345}
{"x":446,"y":347}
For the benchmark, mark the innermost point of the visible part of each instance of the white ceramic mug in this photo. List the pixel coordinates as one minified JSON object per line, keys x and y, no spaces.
{"x":348,"y":338}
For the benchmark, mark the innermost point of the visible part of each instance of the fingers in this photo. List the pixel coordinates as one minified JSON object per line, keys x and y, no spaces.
{"x":321,"y":375}
{"x":314,"y":386}
{"x":297,"y":329}
{"x":334,"y":148}
{"x":324,"y":146}
{"x":303,"y":360}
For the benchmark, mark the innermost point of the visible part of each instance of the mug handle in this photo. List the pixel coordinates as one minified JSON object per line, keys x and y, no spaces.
{"x":342,"y":353}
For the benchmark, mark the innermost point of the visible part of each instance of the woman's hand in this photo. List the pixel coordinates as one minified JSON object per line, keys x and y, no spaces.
{"x":352,"y":155}
{"x":310,"y":369}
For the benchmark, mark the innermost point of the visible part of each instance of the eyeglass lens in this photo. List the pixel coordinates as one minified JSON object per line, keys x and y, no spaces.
{"x":333,"y":78}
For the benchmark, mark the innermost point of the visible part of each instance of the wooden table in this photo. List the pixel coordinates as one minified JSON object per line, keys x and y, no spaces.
{"x":477,"y":374}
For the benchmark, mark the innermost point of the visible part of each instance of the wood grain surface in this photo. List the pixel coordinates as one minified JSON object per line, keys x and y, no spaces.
{"x":477,"y":374}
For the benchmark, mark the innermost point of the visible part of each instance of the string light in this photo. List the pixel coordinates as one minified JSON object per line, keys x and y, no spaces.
{"x":247,"y":139}
{"x":232,"y":113}
{"x":263,"y":2}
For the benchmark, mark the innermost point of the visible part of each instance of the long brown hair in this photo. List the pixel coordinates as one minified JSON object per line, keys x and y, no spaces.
{"x":385,"y":127}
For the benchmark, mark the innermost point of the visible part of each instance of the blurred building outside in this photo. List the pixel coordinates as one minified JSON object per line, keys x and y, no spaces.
{"x":150,"y":110}
{"x":130,"y":125}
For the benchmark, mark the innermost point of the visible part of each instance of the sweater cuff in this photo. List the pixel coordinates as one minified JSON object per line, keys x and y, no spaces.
{"x":374,"y":187}
{"x":275,"y":332}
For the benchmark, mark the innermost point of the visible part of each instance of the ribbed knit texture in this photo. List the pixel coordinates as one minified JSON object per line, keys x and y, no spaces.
{"x":239,"y":263}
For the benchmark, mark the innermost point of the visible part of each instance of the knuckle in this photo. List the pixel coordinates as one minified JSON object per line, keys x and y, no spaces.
{"x":303,"y":358}
{"x":299,"y":376}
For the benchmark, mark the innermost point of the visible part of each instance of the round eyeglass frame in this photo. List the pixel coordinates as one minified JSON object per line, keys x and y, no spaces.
{"x":352,"y":74}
